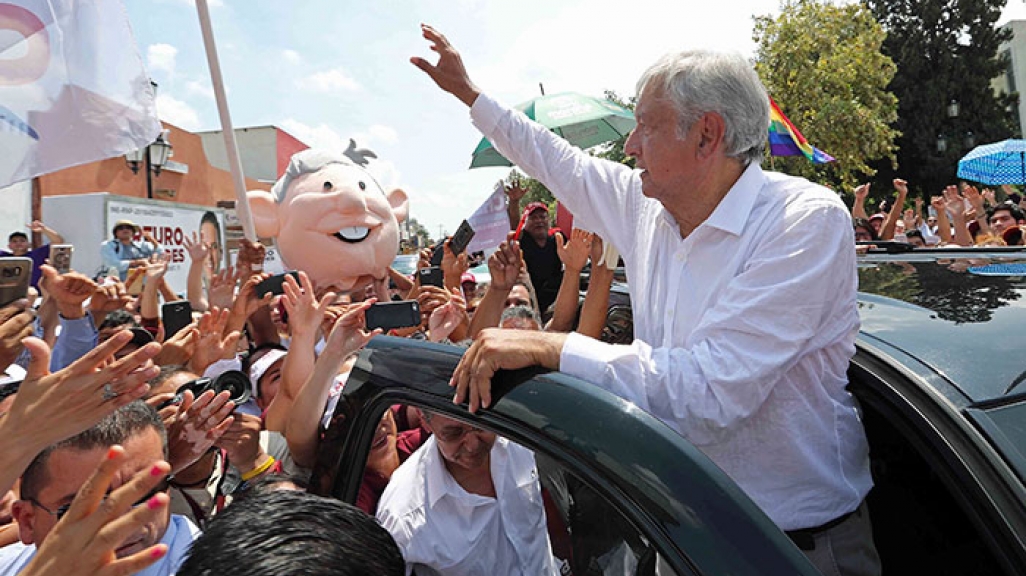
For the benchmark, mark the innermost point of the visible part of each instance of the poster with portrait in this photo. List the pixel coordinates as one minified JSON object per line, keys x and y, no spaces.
{"x":170,"y":224}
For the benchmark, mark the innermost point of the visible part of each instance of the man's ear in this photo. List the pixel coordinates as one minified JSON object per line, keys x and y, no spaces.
{"x":400,"y":204}
{"x":265,"y":213}
{"x":712,"y":130}
{"x":25,"y":515}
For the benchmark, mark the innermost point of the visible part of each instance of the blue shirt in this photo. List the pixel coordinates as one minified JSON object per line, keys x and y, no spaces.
{"x":178,"y":537}
{"x":38,"y":256}
{"x":118,"y":255}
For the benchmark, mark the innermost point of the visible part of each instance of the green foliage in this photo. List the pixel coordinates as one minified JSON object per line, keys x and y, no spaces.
{"x":945,"y":50}
{"x":822,"y":63}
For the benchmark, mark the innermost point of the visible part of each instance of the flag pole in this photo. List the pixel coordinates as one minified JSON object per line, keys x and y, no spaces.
{"x":234,"y":162}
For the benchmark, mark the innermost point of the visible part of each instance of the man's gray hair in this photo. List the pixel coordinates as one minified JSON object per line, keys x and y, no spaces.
{"x":311,"y":160}
{"x":702,"y":81}
{"x":520,"y":312}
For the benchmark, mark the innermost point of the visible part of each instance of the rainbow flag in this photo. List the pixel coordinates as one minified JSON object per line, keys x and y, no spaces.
{"x":786,"y":140}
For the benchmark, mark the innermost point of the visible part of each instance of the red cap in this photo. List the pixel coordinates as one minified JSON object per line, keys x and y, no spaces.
{"x":467,"y":277}
{"x":534,"y":206}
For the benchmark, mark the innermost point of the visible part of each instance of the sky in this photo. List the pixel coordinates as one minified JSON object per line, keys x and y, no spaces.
{"x":326,"y":71}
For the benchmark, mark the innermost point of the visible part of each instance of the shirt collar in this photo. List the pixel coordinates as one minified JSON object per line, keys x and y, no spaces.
{"x":732,"y":212}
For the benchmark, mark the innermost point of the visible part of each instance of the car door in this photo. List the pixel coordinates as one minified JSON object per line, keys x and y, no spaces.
{"x":623,"y":493}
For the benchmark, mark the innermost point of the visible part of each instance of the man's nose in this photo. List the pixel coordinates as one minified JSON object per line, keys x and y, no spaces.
{"x":630,"y":147}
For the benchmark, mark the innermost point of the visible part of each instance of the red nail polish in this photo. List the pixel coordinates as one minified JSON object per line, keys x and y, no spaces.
{"x":156,"y":471}
{"x":112,"y":453}
{"x":154,"y":503}
{"x":158,"y":552}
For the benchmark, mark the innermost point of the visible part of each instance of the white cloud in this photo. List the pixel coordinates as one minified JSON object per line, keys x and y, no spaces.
{"x":177,"y":112}
{"x":291,"y":56}
{"x":161,"y":57}
{"x":320,"y":136}
{"x":197,"y":88}
{"x":334,"y":80}
{"x":376,"y":134}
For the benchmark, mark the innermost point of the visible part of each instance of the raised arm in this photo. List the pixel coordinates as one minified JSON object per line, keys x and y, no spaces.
{"x":305,"y":316}
{"x":887,"y":230}
{"x":574,"y":255}
{"x":52,"y":235}
{"x":504,"y":266}
{"x":956,"y":206}
{"x":348,"y":336}
{"x":943,"y":224}
{"x":858,"y":207}
{"x":596,"y":300}
{"x":198,"y":251}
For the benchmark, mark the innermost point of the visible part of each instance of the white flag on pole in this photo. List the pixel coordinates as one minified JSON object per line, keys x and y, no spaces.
{"x":72,"y":86}
{"x":490,"y":222}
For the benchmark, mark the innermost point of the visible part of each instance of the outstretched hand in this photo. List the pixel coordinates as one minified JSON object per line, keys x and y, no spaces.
{"x":449,"y":74}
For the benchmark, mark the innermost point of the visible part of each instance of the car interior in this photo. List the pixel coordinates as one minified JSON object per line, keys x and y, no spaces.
{"x":919,"y":526}
{"x":588,"y":535}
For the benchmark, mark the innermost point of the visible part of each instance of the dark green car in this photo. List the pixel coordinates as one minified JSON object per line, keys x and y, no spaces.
{"x":937,"y":371}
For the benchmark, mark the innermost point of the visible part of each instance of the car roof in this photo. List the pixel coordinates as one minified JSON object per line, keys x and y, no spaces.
{"x":959,"y":311}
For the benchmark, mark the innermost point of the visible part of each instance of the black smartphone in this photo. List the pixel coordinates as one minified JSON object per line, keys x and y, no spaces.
{"x":175,"y":316}
{"x":437,"y":252}
{"x":60,"y":257}
{"x":15,"y":275}
{"x":275,"y":284}
{"x":464,"y":234}
{"x":388,"y":315}
{"x":430,"y":276}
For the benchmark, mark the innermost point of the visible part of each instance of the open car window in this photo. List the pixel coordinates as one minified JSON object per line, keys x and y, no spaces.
{"x":455,"y":496}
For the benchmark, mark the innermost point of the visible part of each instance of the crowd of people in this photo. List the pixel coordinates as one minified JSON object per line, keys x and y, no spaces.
{"x":961,"y":215}
{"x":129,"y":447}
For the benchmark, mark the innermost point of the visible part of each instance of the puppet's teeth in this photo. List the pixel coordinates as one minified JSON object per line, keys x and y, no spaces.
{"x":354,"y":233}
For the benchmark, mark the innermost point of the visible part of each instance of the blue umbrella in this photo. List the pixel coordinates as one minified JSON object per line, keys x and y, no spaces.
{"x":998,"y":163}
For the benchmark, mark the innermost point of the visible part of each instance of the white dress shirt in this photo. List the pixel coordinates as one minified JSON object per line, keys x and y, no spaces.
{"x":444,"y":530}
{"x":744,"y":329}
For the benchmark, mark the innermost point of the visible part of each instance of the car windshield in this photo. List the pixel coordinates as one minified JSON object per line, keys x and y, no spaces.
{"x":405,"y":264}
{"x":958,"y":311}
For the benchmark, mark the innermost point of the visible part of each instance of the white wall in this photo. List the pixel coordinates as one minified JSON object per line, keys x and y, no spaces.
{"x":15,"y":210}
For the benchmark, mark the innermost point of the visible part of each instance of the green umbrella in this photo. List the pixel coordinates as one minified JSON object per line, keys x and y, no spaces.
{"x":581,"y":120}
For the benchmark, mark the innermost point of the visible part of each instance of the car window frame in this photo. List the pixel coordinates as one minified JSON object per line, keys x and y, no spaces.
{"x":347,"y":443}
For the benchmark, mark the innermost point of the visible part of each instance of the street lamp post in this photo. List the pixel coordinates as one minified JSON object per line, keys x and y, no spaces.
{"x":154,"y":156}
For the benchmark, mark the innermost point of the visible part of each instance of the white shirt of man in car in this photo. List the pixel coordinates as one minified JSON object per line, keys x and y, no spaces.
{"x":468,"y":503}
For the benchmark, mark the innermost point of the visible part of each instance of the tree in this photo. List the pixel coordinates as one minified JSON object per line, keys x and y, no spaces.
{"x":419,"y":233}
{"x":822,"y":63}
{"x":945,"y":50}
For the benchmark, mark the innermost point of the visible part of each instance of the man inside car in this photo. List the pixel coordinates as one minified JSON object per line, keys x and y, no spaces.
{"x":468,"y":502}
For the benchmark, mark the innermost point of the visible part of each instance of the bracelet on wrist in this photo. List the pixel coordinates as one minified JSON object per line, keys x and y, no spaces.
{"x":259,"y":469}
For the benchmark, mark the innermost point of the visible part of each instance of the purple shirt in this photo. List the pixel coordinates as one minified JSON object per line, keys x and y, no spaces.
{"x":38,"y":256}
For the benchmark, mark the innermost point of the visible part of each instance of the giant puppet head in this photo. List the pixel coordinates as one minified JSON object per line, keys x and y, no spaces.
{"x":331,"y":219}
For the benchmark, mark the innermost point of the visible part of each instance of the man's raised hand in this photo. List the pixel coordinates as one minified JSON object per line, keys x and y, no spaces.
{"x":449,"y":73}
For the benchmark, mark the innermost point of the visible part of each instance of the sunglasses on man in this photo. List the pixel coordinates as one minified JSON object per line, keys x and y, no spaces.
{"x":63,"y":509}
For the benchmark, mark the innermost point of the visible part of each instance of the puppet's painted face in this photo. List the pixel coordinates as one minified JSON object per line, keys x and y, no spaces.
{"x":337,"y":225}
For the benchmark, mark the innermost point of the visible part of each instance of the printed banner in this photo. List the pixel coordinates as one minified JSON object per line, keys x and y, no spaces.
{"x":169,"y":226}
{"x":72,"y":86}
{"x":490,"y":222}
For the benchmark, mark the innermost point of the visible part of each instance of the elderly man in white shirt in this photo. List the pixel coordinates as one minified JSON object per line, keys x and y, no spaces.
{"x":468,"y":503}
{"x":743,"y":284}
